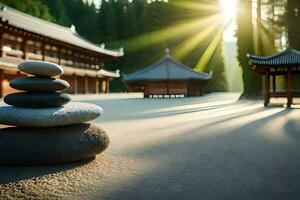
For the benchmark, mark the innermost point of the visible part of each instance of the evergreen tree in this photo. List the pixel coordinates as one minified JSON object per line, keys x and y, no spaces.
{"x":216,"y":65}
{"x":119,"y":20}
{"x":252,"y":81}
{"x":109,"y":23}
{"x":292,"y":21}
{"x":58,"y":11}
{"x":32,"y":7}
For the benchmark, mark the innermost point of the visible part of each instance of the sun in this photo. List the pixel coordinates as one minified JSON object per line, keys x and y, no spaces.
{"x":229,"y":9}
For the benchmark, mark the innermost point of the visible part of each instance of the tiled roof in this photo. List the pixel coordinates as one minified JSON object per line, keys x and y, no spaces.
{"x":289,"y":56}
{"x":47,"y":29}
{"x":167,"y":68}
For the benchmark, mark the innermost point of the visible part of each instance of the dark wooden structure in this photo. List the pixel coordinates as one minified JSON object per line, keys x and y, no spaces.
{"x":286,"y":63}
{"x":23,"y":37}
{"x":165,"y":78}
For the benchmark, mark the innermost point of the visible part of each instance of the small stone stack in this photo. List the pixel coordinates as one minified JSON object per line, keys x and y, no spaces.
{"x":48,"y":128}
{"x":41,"y":89}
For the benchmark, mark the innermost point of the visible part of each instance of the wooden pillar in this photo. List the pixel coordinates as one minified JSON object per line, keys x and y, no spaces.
{"x":1,"y":45}
{"x":168,"y":90}
{"x":75,"y":84}
{"x":96,"y":85}
{"x":267,"y":87}
{"x":146,"y":89}
{"x":107,"y":85}
{"x":274,"y":83}
{"x":289,"y":88}
{"x":103,"y":85}
{"x":24,"y":49}
{"x":86,"y":84}
{"x":1,"y":82}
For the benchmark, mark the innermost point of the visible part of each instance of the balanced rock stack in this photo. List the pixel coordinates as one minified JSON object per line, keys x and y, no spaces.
{"x":47,"y":127}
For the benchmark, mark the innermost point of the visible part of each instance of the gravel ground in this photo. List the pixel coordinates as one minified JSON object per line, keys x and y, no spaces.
{"x":210,"y":147}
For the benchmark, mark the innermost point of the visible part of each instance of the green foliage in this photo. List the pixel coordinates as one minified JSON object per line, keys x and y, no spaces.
{"x":150,"y":28}
{"x":58,"y":11}
{"x":292,"y":22}
{"x":218,"y":83}
{"x":33,"y":7}
{"x":143,"y":29}
{"x":78,"y":13}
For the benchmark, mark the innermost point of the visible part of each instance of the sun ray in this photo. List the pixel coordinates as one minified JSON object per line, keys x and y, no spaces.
{"x":210,"y":50}
{"x":267,"y":41}
{"x":182,"y":29}
{"x":196,"y":6}
{"x":184,"y":48}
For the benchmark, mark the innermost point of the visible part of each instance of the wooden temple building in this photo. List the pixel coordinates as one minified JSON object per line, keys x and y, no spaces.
{"x":166,"y":78}
{"x":23,"y":37}
{"x":285,"y":63}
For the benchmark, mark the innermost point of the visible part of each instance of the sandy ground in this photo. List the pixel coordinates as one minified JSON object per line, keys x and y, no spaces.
{"x":209,"y":147}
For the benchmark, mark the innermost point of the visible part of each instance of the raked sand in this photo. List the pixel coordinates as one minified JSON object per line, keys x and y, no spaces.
{"x":209,"y":147}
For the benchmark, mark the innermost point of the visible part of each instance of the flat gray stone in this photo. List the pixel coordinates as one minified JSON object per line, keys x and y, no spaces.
{"x":41,"y":68}
{"x":37,"y":99}
{"x":72,"y":113}
{"x":39,"y":84}
{"x":34,"y":146}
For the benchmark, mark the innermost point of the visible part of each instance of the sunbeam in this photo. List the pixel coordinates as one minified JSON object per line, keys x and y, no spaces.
{"x":185,"y":28}
{"x":195,"y":6}
{"x":184,"y":48}
{"x":210,"y":50}
{"x":190,"y":34}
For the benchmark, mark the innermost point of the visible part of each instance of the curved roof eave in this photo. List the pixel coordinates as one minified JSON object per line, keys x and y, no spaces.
{"x":289,"y":56}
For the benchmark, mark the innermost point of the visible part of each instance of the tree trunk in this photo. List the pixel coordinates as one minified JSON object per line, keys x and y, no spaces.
{"x":252,"y":81}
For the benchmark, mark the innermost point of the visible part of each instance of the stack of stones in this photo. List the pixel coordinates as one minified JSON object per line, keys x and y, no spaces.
{"x":46,"y":127}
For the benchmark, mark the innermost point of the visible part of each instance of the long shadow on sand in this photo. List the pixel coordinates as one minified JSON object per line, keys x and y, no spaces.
{"x":139,"y":110}
{"x":292,"y":128}
{"x":156,"y":113}
{"x":223,"y":118}
{"x":231,"y":164}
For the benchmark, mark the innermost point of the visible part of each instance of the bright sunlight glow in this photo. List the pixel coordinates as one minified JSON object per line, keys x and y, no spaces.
{"x":229,"y":9}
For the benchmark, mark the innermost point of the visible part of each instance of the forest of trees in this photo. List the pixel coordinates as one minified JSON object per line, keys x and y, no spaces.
{"x":272,"y":29}
{"x":145,"y":28}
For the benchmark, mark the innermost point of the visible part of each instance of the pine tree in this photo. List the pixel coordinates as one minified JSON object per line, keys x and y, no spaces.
{"x":32,"y":7}
{"x":252,"y":81}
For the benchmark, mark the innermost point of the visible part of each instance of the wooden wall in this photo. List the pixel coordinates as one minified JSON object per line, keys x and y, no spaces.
{"x":173,"y":87}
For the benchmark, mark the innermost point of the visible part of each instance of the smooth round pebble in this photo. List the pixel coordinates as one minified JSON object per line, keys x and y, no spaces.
{"x":41,"y":68}
{"x":35,"y":146}
{"x":39,"y":84}
{"x":37,"y":99}
{"x":72,"y":113}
